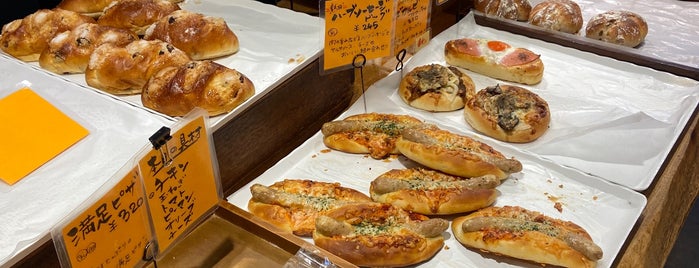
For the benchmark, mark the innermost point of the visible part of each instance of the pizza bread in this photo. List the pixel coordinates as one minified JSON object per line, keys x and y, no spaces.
{"x":379,"y":235}
{"x":201,"y":37}
{"x":293,"y":204}
{"x":176,"y":90}
{"x":136,"y":15}
{"x":454,"y":154}
{"x":125,"y":70}
{"x":507,"y":9}
{"x":371,"y":133}
{"x":431,"y":192}
{"x":26,"y":38}
{"x":69,"y":51}
{"x":520,"y":233}
{"x":620,"y":27}
{"x":557,"y":15}
{"x":508,"y":113}
{"x":436,"y":88}
{"x":495,"y":59}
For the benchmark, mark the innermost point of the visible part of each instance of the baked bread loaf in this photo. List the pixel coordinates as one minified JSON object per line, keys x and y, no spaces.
{"x":69,"y":51}
{"x":371,"y":133}
{"x":125,"y":70}
{"x":431,"y":192}
{"x":618,"y":27}
{"x":496,"y":59}
{"x":176,"y":90}
{"x":379,"y":235}
{"x":436,"y":88}
{"x":507,"y":9}
{"x":26,"y":38}
{"x":293,"y":204}
{"x":508,"y":113}
{"x":136,"y":15}
{"x":557,"y":15}
{"x":92,"y":8}
{"x":516,"y":232}
{"x":454,"y":154}
{"x":201,"y":37}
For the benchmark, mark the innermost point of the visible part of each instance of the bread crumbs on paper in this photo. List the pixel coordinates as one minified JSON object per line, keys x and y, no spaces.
{"x":558,"y":206}
{"x":325,"y":151}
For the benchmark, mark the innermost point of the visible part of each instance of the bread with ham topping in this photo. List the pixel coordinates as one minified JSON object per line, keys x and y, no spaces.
{"x":496,"y":59}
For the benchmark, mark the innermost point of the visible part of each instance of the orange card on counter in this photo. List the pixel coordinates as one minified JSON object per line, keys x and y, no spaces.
{"x":32,"y":132}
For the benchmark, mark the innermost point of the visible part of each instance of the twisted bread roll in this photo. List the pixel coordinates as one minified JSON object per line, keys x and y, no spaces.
{"x":201,"y":37}
{"x":557,"y":15}
{"x":136,"y":15}
{"x":508,"y":9}
{"x":176,"y":90}
{"x":619,"y":27}
{"x":26,"y":38}
{"x":69,"y":51}
{"x":125,"y":70}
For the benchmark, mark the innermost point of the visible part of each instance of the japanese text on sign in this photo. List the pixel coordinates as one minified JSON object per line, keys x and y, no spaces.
{"x":181,"y":188}
{"x":411,"y":22}
{"x":114,"y":231}
{"x":357,"y":27}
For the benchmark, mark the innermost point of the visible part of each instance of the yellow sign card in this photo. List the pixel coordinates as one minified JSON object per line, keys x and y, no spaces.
{"x":357,"y":27}
{"x":114,"y":231}
{"x":32,"y":132}
{"x":180,"y":182}
{"x":411,"y":22}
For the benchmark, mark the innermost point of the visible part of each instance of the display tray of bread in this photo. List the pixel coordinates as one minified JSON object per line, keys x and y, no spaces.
{"x":622,"y":29}
{"x":109,"y":53}
{"x":584,"y":158}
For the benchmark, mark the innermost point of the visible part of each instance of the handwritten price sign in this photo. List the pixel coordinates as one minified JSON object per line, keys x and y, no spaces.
{"x":411,"y":22}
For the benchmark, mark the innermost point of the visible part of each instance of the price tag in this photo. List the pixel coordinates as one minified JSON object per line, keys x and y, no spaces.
{"x":354,"y":27}
{"x":112,"y":232}
{"x":412,"y":17}
{"x":179,"y":181}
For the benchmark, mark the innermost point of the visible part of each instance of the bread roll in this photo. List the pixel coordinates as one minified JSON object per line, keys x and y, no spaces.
{"x":69,"y":51}
{"x":454,"y":154}
{"x":92,"y":8}
{"x":26,"y":38}
{"x":436,"y":88}
{"x":508,"y":113}
{"x":618,"y":27}
{"x":201,"y":37}
{"x":176,"y":90}
{"x":508,"y":9}
{"x":496,"y":59}
{"x":136,"y":15}
{"x":557,"y":15}
{"x":520,"y":233}
{"x":431,"y":192}
{"x":125,"y":70}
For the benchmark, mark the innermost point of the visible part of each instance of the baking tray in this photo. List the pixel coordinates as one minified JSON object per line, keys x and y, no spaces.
{"x":672,"y":43}
{"x":275,"y":43}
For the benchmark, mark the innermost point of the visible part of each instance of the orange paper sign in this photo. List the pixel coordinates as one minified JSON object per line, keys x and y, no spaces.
{"x":411,"y":22}
{"x":180,"y":182}
{"x":114,"y":231}
{"x":354,"y":27}
{"x":32,"y":132}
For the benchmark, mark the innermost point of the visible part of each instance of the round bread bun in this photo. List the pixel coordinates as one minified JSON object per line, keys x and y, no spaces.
{"x":379,"y":235}
{"x":201,"y":37}
{"x":92,"y":8}
{"x":136,"y":15}
{"x":436,"y":88}
{"x":431,"y":192}
{"x":508,"y":113}
{"x":454,"y":154}
{"x":507,"y":9}
{"x":512,"y":231}
{"x":557,"y":15}
{"x":618,"y":27}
